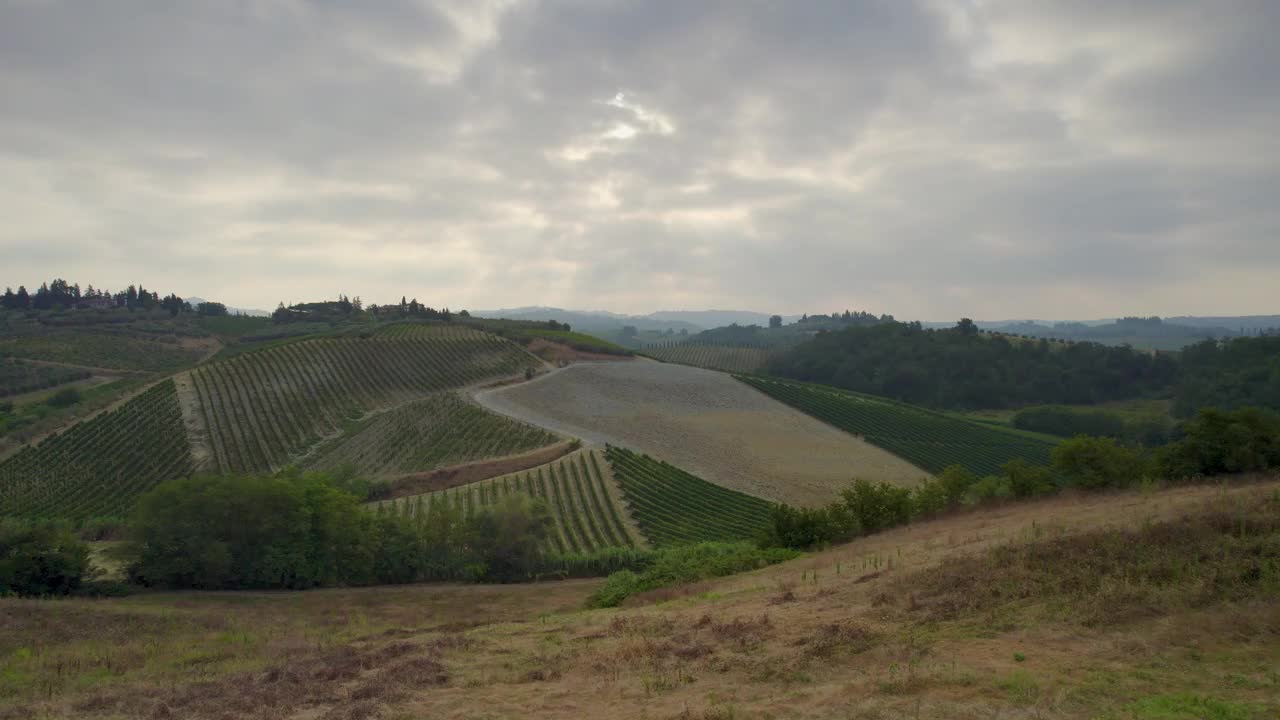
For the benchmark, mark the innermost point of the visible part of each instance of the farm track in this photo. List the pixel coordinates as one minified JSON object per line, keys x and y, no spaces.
{"x":704,"y":422}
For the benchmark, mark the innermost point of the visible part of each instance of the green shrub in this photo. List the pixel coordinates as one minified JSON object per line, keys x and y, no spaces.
{"x":877,"y":507}
{"x":617,"y":587}
{"x":1219,"y":441}
{"x":809,"y":527}
{"x":508,"y":536}
{"x":929,"y":497}
{"x":956,"y":481}
{"x":686,"y":564}
{"x":1026,"y":479}
{"x":988,"y":489}
{"x":41,"y":558}
{"x":1093,"y":463}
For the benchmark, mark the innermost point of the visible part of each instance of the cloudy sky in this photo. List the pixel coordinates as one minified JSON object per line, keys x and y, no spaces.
{"x":929,"y":159}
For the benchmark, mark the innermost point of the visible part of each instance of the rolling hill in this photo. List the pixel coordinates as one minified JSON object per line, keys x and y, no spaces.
{"x":382,"y":402}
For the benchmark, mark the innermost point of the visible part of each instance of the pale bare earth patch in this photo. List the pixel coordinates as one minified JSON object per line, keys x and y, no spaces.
{"x":704,"y":422}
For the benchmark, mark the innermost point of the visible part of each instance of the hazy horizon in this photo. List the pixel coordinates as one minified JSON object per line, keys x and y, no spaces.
{"x":933,"y":160}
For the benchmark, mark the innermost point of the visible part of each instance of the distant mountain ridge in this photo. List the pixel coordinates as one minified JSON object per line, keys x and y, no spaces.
{"x":691,"y":320}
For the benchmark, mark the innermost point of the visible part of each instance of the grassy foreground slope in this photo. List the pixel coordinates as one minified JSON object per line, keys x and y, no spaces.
{"x":674,"y":507}
{"x":927,"y":439}
{"x":908,"y":623}
{"x":583,"y":499}
{"x":99,"y":466}
{"x":266,"y":409}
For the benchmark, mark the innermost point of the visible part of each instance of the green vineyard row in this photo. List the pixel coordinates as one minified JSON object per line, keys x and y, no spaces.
{"x":17,"y":377}
{"x":584,"y":502}
{"x":101,"y":349}
{"x":729,"y":358}
{"x":266,"y":409}
{"x":100,"y":466}
{"x":927,"y":439}
{"x":673,"y":507}
{"x":442,"y":429}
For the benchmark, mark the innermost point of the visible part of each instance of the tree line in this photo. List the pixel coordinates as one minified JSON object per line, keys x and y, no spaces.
{"x":964,"y":368}
{"x":58,"y":294}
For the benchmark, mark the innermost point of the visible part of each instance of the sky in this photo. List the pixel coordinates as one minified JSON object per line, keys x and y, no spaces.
{"x":930,"y":159}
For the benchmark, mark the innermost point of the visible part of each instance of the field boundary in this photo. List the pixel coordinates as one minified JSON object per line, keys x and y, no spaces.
{"x":453,"y":476}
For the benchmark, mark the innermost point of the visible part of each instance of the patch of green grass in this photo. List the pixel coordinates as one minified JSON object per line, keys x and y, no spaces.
{"x":1189,"y":707}
{"x":1020,"y":687}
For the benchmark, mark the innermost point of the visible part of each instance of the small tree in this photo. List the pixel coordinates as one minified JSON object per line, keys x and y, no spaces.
{"x":1094,"y":462}
{"x":775,"y":321}
{"x":41,"y":559}
{"x":508,"y":537}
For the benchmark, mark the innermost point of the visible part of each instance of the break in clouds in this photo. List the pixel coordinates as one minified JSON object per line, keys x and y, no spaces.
{"x":929,"y":159}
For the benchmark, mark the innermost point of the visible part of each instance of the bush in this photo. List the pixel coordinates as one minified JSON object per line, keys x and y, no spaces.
{"x":617,"y":587}
{"x":988,"y":489}
{"x":876,"y":507}
{"x":809,"y":527}
{"x":956,"y":481}
{"x":929,"y":497}
{"x":1219,"y":441}
{"x":508,"y":537}
{"x":686,"y":564}
{"x":1092,"y":463}
{"x":1026,"y":479}
{"x":40,"y":559}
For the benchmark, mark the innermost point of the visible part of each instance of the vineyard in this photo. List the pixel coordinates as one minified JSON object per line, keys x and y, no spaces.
{"x":98,"y":467}
{"x":927,"y":439}
{"x":115,"y":350}
{"x":265,"y":409}
{"x":441,"y":430}
{"x":729,"y":358}
{"x":583,"y":499}
{"x":673,"y":507}
{"x":17,"y":377}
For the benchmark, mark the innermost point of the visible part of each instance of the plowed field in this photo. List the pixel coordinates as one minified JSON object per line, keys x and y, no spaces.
{"x":704,"y":422}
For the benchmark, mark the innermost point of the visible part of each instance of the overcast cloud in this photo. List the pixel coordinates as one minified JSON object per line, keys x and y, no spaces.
{"x":928,"y":159}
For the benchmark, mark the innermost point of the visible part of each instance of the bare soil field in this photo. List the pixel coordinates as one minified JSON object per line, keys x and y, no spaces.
{"x":846,"y":633}
{"x":704,"y":422}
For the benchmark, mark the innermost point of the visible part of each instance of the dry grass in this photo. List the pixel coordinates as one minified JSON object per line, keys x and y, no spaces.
{"x":981,"y":615}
